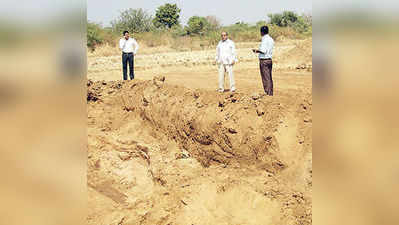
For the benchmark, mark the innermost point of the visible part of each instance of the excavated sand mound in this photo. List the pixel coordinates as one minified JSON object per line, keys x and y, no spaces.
{"x":226,"y":128}
{"x":164,"y":154}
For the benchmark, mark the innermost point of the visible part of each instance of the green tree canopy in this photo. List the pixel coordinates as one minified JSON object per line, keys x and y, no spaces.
{"x":167,"y":16}
{"x":197,"y":25}
{"x":284,"y":19}
{"x":290,"y":19}
{"x":133,"y":20}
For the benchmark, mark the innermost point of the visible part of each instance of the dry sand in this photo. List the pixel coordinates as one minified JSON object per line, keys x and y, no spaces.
{"x":166,"y":148}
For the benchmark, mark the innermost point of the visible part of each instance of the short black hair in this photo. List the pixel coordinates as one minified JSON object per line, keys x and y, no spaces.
{"x":264,"y":29}
{"x":124,"y":32}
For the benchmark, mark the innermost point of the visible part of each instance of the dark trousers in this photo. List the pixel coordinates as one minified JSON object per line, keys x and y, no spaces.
{"x":266,"y":66}
{"x":128,"y":58}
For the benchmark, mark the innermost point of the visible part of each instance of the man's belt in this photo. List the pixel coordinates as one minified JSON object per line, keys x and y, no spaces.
{"x":127,"y":52}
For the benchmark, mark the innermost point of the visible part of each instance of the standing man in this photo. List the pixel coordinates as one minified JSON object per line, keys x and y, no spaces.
{"x":265,"y":60}
{"x":128,"y":52}
{"x":226,"y":57}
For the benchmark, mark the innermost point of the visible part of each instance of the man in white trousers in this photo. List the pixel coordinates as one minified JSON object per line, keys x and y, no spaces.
{"x":226,"y":57}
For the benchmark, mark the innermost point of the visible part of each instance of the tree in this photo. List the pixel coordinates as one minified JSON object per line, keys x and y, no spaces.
{"x":197,"y":25}
{"x":93,"y":35}
{"x":290,"y":19}
{"x":133,"y":20}
{"x":167,"y":16}
{"x":284,"y":19}
{"x":275,"y":19}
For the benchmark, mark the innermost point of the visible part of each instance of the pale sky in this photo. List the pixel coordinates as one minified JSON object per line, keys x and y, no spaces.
{"x":228,"y":11}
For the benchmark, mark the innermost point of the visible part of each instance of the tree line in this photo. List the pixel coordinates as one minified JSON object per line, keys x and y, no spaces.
{"x":167,"y":18}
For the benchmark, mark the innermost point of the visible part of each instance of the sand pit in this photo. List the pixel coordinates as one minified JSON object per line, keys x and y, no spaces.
{"x":164,"y":154}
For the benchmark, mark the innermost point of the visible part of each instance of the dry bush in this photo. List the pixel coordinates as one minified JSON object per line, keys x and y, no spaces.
{"x":182,"y":43}
{"x":277,"y":32}
{"x":187,"y":43}
{"x":155,"y":39}
{"x":104,"y":50}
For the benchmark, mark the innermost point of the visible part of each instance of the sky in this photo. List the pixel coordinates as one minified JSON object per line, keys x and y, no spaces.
{"x":227,"y":11}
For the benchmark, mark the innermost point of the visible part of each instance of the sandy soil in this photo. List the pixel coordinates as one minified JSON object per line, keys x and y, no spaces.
{"x":166,"y":148}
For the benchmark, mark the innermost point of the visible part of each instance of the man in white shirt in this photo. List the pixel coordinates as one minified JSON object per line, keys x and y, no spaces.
{"x":129,"y":49}
{"x":226,"y":57}
{"x":265,"y":60}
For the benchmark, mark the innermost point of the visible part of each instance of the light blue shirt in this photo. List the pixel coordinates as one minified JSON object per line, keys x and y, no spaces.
{"x":266,"y":46}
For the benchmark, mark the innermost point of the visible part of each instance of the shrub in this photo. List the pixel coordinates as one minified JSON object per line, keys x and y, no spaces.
{"x":133,"y":20}
{"x":154,"y":38}
{"x":93,"y":35}
{"x":197,"y":25}
{"x":287,"y":32}
{"x":300,"y":24}
{"x":110,"y":37}
{"x":178,"y":31}
{"x":213,"y":38}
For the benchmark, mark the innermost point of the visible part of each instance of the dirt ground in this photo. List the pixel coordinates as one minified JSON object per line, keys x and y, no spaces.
{"x":167,"y":148}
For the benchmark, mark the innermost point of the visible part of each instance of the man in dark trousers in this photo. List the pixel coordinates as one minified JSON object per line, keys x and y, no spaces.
{"x":265,"y":60}
{"x":129,"y":49}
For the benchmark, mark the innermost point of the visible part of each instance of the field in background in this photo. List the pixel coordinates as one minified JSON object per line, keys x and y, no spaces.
{"x":105,"y":62}
{"x":172,"y":41}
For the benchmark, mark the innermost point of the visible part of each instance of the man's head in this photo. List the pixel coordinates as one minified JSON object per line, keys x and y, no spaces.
{"x":224,"y":36}
{"x":264,"y":30}
{"x":126,"y":34}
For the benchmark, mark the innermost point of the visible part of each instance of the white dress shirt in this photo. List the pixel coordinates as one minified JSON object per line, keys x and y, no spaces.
{"x":127,"y":45}
{"x":226,"y":52}
{"x":266,"y":46}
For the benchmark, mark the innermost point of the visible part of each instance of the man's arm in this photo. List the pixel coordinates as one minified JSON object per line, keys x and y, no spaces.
{"x":121,"y":44}
{"x":257,"y":51}
{"x":136,"y":46}
{"x":234,"y":53}
{"x":217,"y":53}
{"x":262,"y":48}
